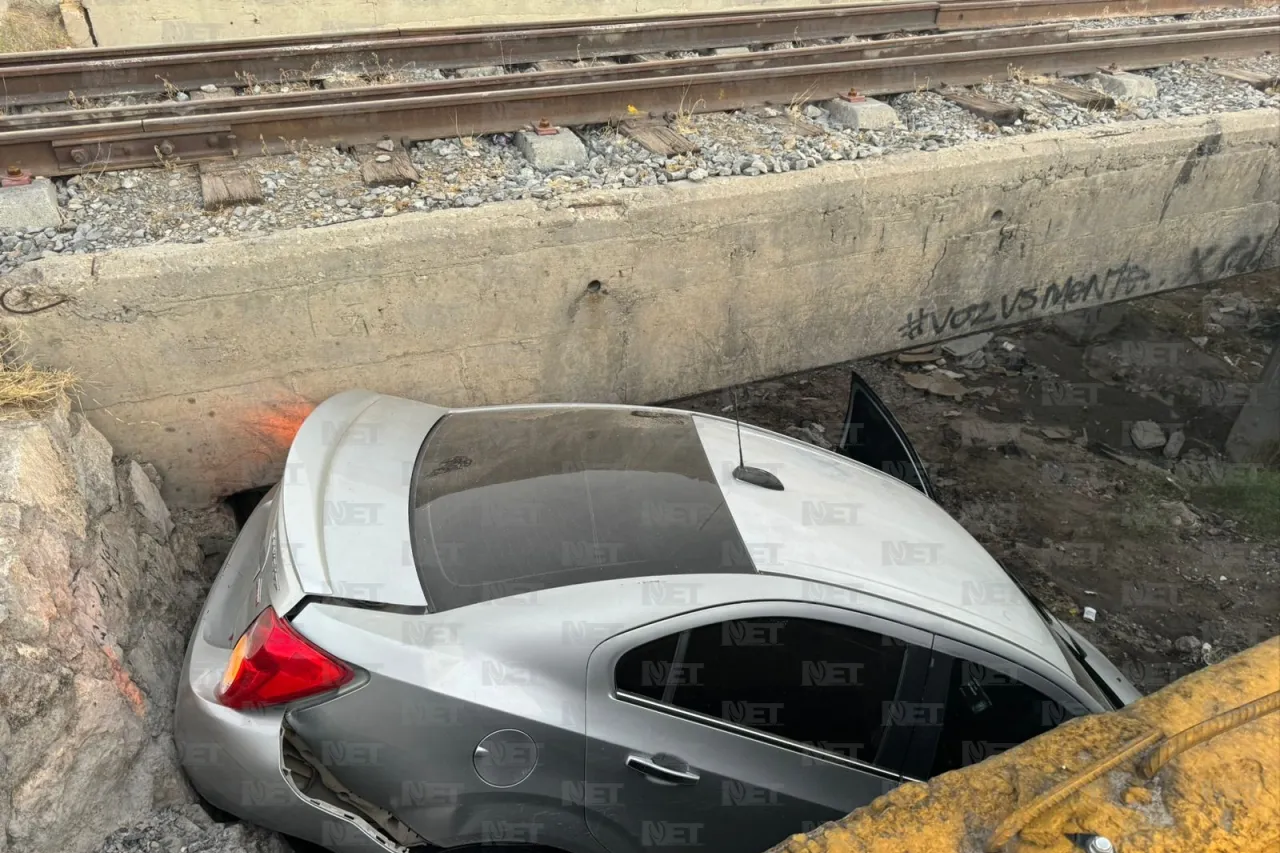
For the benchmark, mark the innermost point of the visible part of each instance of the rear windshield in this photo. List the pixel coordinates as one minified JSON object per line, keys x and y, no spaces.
{"x":514,"y":501}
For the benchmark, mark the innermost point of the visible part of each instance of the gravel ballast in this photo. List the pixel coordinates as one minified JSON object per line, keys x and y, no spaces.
{"x":320,"y":186}
{"x":1207,"y":15}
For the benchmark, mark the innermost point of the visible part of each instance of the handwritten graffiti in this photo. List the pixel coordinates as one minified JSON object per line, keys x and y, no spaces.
{"x":1240,"y":257}
{"x":1120,"y":282}
{"x":1124,"y":281}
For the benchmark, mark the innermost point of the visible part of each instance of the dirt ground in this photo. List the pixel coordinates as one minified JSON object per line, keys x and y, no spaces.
{"x":1179,"y":554}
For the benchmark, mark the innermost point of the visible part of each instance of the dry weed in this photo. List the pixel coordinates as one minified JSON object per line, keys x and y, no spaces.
{"x":28,"y":26}
{"x":26,"y":389}
{"x":683,"y":123}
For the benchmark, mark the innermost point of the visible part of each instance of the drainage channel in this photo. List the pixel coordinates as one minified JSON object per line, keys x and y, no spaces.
{"x":243,"y":503}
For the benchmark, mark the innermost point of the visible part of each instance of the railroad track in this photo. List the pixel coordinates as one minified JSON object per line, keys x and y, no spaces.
{"x":130,"y":136}
{"x":48,"y":77}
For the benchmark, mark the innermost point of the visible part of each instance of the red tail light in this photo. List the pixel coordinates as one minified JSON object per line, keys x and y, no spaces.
{"x":273,"y":664}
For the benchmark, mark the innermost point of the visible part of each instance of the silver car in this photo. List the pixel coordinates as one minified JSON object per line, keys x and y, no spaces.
{"x":604,"y":629}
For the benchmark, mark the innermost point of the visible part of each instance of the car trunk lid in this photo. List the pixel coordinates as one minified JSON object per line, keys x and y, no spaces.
{"x":340,"y":520}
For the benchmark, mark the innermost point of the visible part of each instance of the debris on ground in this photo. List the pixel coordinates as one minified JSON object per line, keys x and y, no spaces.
{"x":1043,"y":470}
{"x":1147,"y":435}
{"x":188,"y":829}
{"x":934,"y":383}
{"x":1187,"y":644}
{"x":924,"y":355}
{"x":962,"y":347}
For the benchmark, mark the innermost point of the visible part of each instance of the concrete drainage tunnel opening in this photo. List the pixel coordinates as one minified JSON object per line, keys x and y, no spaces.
{"x":243,"y":503}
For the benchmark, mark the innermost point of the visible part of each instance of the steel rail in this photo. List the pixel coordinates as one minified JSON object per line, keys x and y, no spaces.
{"x":1028,"y":14}
{"x":49,"y":76}
{"x":903,"y":47}
{"x":27,"y":83}
{"x":128,"y":144}
{"x":220,"y":45}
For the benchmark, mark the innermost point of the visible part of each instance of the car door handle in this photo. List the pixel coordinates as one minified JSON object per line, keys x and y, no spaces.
{"x":660,"y":773}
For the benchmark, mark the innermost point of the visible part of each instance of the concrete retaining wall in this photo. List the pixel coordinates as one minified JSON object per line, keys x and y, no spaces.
{"x":131,"y":22}
{"x":201,"y":358}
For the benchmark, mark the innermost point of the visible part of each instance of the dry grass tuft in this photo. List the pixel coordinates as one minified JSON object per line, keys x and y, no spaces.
{"x":28,"y":390}
{"x":28,"y":26}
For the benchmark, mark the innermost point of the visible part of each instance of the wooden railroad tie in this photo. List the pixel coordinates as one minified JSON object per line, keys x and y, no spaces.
{"x":994,"y":111}
{"x":388,"y":168}
{"x":227,"y":185}
{"x":1080,"y":96}
{"x":1253,"y":78}
{"x":659,"y":138}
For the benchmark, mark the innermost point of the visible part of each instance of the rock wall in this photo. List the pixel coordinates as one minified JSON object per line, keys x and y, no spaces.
{"x":98,"y":591}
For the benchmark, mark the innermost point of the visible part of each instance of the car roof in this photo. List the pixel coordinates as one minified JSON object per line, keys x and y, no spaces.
{"x":836,"y":522}
{"x":843,"y":523}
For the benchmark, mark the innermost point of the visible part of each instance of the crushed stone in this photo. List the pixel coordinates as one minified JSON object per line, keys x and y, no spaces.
{"x":318,"y":186}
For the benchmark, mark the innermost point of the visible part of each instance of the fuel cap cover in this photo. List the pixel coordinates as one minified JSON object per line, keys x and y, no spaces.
{"x":505,"y":758}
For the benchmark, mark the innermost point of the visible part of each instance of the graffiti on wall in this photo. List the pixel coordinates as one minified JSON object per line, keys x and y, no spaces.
{"x":1096,"y":287}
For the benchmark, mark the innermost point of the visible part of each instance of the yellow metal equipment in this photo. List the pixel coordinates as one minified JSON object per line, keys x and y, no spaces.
{"x":1194,"y":768}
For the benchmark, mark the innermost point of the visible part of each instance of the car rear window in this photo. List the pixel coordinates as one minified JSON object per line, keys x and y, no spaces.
{"x":519,"y":500}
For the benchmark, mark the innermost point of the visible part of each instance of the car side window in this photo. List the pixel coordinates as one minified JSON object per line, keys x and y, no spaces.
{"x":988,"y":710}
{"x":647,"y":670}
{"x":813,"y":682}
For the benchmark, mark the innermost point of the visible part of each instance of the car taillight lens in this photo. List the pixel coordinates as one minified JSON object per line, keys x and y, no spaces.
{"x":272,"y":664}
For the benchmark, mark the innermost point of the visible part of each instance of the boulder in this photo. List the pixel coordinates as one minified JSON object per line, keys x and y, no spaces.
{"x":91,"y":458}
{"x":98,"y":593}
{"x":147,"y":500}
{"x":35,"y":475}
{"x":1147,"y":435}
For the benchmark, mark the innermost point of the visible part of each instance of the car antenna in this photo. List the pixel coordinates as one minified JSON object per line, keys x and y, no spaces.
{"x":754,"y":476}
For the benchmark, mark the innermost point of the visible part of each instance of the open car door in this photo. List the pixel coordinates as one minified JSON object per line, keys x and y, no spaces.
{"x":872,"y":436}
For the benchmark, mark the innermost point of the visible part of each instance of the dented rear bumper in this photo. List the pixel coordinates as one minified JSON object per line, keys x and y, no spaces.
{"x":235,"y":759}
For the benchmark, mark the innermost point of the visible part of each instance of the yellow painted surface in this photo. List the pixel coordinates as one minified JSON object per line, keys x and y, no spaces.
{"x":133,"y":22}
{"x":1222,"y":796}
